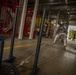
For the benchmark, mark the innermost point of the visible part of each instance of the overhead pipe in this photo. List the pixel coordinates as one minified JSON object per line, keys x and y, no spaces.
{"x":55,"y":3}
{"x":58,"y":3}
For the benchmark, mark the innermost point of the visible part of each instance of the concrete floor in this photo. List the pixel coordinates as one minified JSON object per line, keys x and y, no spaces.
{"x":53,"y":59}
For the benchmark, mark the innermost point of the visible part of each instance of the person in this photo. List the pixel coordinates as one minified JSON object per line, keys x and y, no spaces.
{"x":61,"y":31}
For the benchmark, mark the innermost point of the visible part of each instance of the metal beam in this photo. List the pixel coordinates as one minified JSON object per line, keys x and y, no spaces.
{"x":71,"y":3}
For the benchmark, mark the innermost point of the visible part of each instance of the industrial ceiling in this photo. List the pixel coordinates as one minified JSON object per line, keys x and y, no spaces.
{"x":53,"y":6}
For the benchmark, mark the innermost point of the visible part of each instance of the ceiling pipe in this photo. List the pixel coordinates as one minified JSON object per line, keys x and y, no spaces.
{"x":56,"y":3}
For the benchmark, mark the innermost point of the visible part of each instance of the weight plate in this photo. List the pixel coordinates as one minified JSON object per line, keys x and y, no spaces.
{"x":8,"y":69}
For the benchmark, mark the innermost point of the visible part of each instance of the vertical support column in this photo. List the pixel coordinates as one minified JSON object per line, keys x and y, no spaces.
{"x":49,"y":16}
{"x":1,"y":49}
{"x":33,"y":19}
{"x":22,"y":19}
{"x":35,"y":69}
{"x":48,"y":25}
{"x":56,"y":23}
{"x":11,"y":57}
{"x":57,"y":17}
{"x":67,"y":23}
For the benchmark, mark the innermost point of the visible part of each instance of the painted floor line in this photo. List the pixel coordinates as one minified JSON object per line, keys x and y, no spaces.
{"x":27,"y":59}
{"x":19,"y":46}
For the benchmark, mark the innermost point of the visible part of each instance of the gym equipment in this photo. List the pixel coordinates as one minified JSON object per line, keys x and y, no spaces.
{"x":11,"y":57}
{"x":1,"y":49}
{"x":28,"y":21}
{"x":35,"y":68}
{"x":8,"y":8}
{"x":6,"y":68}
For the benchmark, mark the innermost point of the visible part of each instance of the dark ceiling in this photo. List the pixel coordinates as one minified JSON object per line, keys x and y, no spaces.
{"x":54,"y":2}
{"x":54,"y":6}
